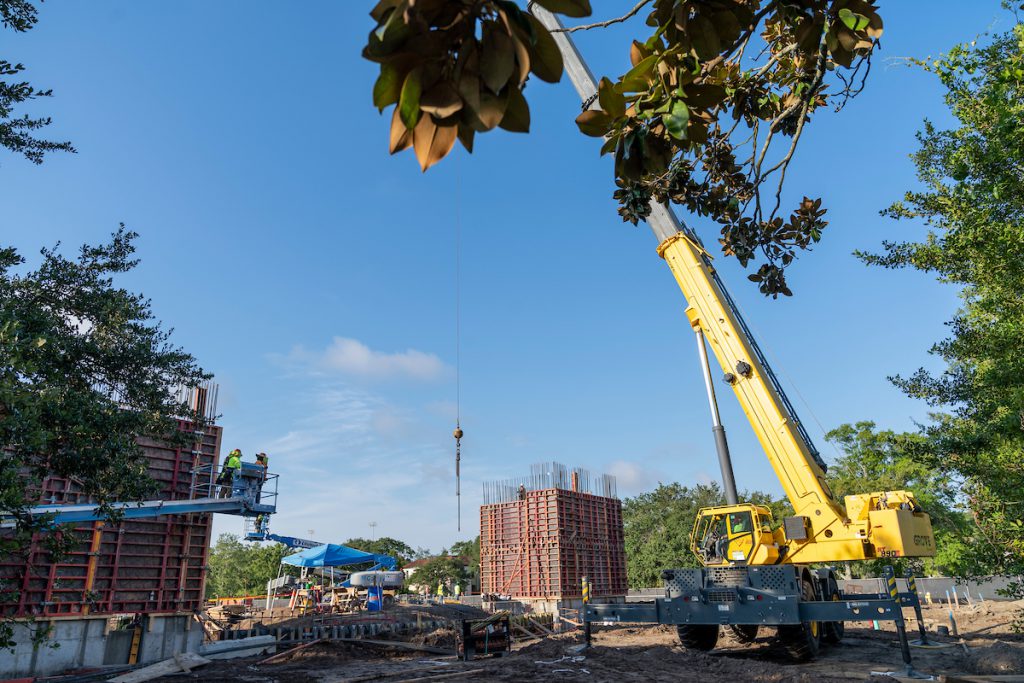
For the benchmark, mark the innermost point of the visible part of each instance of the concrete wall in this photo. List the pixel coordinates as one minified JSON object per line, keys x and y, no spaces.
{"x":77,"y":643}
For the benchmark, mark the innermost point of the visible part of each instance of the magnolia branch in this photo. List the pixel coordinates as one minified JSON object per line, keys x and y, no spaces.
{"x":601,"y":24}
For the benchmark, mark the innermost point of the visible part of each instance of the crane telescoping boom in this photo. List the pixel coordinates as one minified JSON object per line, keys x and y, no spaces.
{"x":878,"y":524}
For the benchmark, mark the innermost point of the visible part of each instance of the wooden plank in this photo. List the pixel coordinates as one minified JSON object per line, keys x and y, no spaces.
{"x":164,"y":668}
{"x":541,"y":626}
{"x":528,"y":635}
{"x":281,"y":655}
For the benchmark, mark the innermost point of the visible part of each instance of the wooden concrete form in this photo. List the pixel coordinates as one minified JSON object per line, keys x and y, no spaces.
{"x":138,"y":566}
{"x":541,"y":545}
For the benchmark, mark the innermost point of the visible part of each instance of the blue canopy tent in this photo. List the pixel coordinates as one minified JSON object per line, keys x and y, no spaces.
{"x":329,"y":555}
{"x":333,"y":555}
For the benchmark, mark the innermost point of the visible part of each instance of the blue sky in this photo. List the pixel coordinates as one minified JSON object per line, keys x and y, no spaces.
{"x":315,"y":275}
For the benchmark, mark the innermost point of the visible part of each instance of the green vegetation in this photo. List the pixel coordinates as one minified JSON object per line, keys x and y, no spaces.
{"x":17,"y":132}
{"x":874,"y":460}
{"x":385,"y":545}
{"x":658,"y":523}
{"x":469,"y":550}
{"x":446,"y":569}
{"x":708,"y":117}
{"x":84,"y":369}
{"x":970,"y":199}
{"x":238,"y":568}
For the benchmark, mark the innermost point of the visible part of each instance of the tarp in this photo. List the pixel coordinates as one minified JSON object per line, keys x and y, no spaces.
{"x":328,"y":555}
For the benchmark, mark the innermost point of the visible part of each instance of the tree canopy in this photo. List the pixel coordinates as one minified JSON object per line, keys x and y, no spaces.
{"x":709,"y":115}
{"x":238,"y":568}
{"x":881,"y":460}
{"x":17,"y":133}
{"x":85,"y":369}
{"x":657,"y":527}
{"x":443,"y":569}
{"x":970,"y":200}
{"x":385,"y":545}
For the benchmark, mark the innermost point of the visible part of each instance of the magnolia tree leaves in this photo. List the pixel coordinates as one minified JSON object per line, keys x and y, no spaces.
{"x":709,"y":112}
{"x":671,"y":121}
{"x":455,"y":68}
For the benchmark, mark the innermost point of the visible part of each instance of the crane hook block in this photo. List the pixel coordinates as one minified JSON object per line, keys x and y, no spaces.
{"x":457,"y":433}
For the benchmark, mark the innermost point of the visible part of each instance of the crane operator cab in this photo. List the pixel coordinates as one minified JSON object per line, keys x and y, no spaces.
{"x":734,"y":535}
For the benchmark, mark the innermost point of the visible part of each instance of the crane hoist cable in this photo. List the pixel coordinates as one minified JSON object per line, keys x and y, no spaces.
{"x":457,"y":433}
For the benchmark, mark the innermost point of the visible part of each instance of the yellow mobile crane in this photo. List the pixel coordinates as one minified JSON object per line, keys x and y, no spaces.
{"x":736,"y":542}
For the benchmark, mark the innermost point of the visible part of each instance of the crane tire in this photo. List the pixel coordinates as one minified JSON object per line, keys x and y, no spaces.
{"x":701,"y":637}
{"x":744,"y":633}
{"x":833,"y":631}
{"x":802,"y":641}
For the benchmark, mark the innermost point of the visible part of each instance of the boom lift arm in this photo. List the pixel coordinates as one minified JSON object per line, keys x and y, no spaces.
{"x":881,"y":524}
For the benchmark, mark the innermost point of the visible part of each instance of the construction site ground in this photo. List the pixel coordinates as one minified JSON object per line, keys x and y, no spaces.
{"x":987,"y":646}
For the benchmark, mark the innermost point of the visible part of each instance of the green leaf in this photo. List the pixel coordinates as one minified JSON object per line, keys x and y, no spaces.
{"x":611,"y":99}
{"x":409,"y":100}
{"x":675,"y":121}
{"x":545,"y":57}
{"x":497,"y":59}
{"x":852,"y":20}
{"x":517,"y":113}
{"x":388,"y":87}
{"x":639,"y":77}
{"x":570,"y":8}
{"x":704,"y":38}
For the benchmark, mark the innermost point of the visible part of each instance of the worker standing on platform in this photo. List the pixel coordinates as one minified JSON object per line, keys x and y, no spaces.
{"x":227,"y":475}
{"x":263,"y":460}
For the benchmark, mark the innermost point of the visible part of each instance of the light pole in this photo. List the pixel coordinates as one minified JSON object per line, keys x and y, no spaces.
{"x":373,"y":531}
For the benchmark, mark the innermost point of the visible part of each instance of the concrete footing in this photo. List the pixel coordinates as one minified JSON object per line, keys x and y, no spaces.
{"x":90,"y":642}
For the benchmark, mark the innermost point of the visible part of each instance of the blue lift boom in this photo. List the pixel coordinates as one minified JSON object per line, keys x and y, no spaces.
{"x":253,"y":494}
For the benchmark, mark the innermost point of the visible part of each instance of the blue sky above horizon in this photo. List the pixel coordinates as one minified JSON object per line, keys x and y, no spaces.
{"x":315,"y":275}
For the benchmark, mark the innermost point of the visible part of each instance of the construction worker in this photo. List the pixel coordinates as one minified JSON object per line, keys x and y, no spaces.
{"x":440,"y":592}
{"x":263,"y":460}
{"x":457,"y":591}
{"x":227,"y":475}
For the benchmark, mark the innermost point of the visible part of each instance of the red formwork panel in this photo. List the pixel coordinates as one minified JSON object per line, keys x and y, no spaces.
{"x":145,"y":565}
{"x":542,"y":545}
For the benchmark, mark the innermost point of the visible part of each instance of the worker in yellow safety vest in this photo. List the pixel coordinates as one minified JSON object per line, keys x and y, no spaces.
{"x":227,"y":475}
{"x":440,"y":591}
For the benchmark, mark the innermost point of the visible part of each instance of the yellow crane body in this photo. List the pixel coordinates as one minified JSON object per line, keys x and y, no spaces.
{"x":873,"y":525}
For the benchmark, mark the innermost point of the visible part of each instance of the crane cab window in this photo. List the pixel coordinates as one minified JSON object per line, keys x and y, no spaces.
{"x":740,"y":523}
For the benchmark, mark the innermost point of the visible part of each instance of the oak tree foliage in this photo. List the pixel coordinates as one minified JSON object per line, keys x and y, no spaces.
{"x":238,"y":568}
{"x":18,"y":133}
{"x":695,"y":121}
{"x":385,"y":545}
{"x":882,"y":460}
{"x":970,"y":201}
{"x":657,"y":527}
{"x":85,"y":369}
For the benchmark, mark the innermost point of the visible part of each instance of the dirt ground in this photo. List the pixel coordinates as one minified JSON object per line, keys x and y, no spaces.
{"x":986,"y":646}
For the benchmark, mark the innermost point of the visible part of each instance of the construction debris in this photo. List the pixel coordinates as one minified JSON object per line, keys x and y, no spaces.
{"x":179,"y":663}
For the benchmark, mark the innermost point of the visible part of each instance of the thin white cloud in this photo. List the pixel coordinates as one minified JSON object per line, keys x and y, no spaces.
{"x":632,"y":477}
{"x":352,"y":357}
{"x":354,"y":457}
